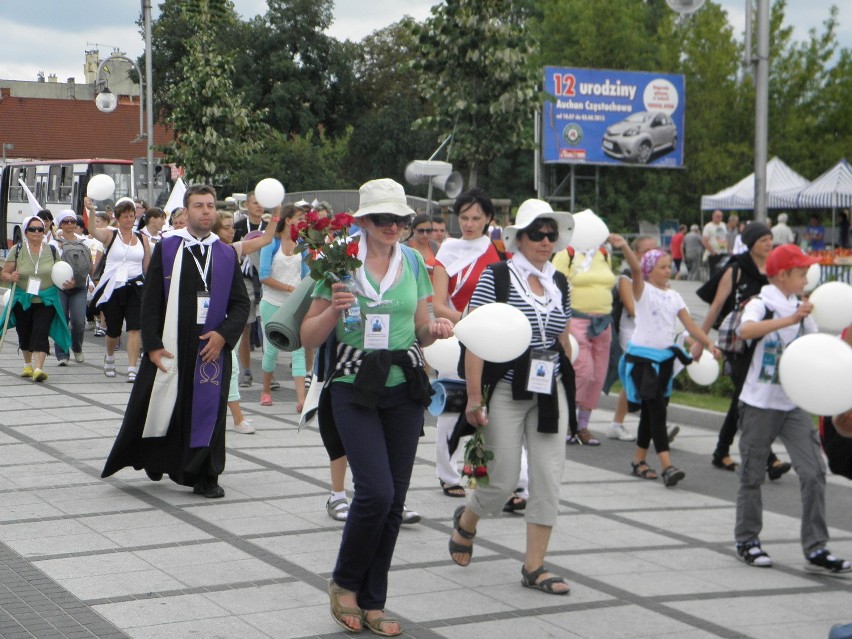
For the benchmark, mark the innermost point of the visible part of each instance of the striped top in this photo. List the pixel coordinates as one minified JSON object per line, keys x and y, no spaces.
{"x":554,"y":322}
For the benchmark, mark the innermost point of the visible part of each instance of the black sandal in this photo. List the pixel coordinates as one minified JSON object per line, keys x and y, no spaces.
{"x":515,"y":504}
{"x":457,"y":548}
{"x":528,"y":580}
{"x":456,"y":490}
{"x":643,"y":470}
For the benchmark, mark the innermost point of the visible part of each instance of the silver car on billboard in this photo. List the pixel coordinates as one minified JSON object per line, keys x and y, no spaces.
{"x":639,"y":136}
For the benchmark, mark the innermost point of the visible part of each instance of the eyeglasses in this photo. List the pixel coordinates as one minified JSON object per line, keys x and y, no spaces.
{"x":538,"y":236}
{"x":384,"y":220}
{"x":424,"y":231}
{"x":68,"y":220}
{"x":35,"y":229}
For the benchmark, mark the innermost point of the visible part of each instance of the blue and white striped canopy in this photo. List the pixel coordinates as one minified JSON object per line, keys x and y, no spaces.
{"x":832,"y":189}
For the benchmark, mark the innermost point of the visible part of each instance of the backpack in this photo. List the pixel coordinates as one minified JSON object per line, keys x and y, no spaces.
{"x":707,"y":292}
{"x":732,"y":345}
{"x":78,"y":255}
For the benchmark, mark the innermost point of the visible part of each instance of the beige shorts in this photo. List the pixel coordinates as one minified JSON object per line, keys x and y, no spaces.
{"x":252,"y":316}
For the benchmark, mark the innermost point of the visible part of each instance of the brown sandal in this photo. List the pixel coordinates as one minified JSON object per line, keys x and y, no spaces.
{"x":375,"y":625}
{"x":338,"y":611}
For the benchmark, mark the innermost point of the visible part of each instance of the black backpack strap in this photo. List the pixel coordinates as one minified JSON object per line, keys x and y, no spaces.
{"x":501,"y":280}
{"x":561,"y":283}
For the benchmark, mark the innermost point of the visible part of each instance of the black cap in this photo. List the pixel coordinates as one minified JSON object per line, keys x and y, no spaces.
{"x":753,"y":232}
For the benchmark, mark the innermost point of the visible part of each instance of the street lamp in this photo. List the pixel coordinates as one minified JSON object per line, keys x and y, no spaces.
{"x":106,"y":102}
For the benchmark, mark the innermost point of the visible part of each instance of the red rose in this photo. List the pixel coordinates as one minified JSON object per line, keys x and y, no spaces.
{"x":467,"y":470}
{"x":343,"y":219}
{"x":294,"y":233}
{"x":311,"y":217}
{"x":352,"y":249}
{"x":321,"y":223}
{"x":481,"y":471}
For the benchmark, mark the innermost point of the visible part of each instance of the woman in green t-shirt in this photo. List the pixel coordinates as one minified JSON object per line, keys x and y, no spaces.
{"x":376,"y":400}
{"x":36,"y":311}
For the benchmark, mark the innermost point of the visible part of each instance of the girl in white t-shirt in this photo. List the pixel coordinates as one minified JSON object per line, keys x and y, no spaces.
{"x":647,"y":365}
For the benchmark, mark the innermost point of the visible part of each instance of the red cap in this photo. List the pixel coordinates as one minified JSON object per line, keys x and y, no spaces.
{"x":785,"y":257}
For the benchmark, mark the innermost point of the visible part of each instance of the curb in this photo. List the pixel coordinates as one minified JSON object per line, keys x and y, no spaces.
{"x":678,"y":414}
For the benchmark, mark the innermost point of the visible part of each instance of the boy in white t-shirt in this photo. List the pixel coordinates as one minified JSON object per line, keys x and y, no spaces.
{"x":766,"y":413}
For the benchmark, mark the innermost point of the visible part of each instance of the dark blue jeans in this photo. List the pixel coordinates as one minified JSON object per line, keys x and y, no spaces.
{"x":74,"y":305}
{"x":380,"y":445}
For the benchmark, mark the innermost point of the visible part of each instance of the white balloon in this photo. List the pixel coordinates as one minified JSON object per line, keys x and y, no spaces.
{"x":269,"y":193}
{"x":704,"y":370}
{"x":575,"y":348}
{"x":61,"y":273}
{"x":6,"y":296}
{"x":495,"y":332}
{"x":590,"y":232}
{"x":100,"y":187}
{"x":815,"y":371}
{"x":832,"y":306}
{"x":814,"y":273}
{"x":443,"y":355}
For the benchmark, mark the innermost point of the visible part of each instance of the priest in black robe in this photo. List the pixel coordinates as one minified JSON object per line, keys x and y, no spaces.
{"x":194,"y":308}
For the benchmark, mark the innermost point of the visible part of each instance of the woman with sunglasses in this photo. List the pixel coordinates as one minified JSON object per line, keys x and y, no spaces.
{"x":458,"y":265}
{"x":375,"y":401}
{"x":420,"y":239}
{"x":527,"y":401}
{"x":36,"y":311}
{"x":119,"y":291}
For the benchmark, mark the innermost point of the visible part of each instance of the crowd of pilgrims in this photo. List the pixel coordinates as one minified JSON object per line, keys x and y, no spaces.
{"x":420,"y":282}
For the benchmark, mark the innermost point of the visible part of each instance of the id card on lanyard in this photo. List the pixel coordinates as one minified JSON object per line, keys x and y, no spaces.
{"x":202,"y":305}
{"x":542,"y":365}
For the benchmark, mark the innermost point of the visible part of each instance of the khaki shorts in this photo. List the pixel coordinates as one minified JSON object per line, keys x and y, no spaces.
{"x":252,"y":316}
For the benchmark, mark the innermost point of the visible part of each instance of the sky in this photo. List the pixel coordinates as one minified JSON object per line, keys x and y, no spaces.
{"x":52,"y":35}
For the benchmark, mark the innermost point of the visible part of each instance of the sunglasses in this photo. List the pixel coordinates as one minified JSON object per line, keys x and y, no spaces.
{"x":424,"y":231}
{"x":384,"y":220}
{"x":538,"y":236}
{"x":35,"y":229}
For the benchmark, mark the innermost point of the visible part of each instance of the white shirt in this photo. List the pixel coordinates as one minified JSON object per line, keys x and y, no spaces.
{"x":762,"y":388}
{"x":286,"y":269}
{"x":656,"y":312}
{"x":782,"y":234}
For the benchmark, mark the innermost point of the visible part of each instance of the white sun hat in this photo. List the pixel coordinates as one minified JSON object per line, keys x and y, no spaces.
{"x":528,"y":212}
{"x":383,"y":196}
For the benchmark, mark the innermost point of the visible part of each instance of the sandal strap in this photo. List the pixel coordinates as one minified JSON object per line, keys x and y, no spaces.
{"x":533,"y":574}
{"x":457,"y":524}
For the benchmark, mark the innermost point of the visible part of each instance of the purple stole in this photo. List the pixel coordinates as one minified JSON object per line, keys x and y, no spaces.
{"x":207,"y":380}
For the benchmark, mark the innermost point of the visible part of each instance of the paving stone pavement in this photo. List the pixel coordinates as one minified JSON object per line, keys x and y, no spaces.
{"x":127,"y":557}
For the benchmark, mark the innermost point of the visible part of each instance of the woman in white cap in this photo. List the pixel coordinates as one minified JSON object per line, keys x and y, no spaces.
{"x":35,"y":309}
{"x":529,"y":396}
{"x":376,"y":399}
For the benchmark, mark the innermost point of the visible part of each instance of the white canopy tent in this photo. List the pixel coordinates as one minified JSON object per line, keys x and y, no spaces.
{"x":779,"y":178}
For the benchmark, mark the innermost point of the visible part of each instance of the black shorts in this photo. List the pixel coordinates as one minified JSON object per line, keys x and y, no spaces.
{"x":33,"y":326}
{"x":123,"y":307}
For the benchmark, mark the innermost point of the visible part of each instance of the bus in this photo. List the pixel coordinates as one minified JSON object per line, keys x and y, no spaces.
{"x":57,"y":185}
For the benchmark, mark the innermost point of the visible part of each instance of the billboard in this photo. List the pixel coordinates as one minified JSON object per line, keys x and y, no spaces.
{"x":623,"y":118}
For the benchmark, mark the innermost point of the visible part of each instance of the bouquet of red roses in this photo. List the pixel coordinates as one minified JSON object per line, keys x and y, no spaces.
{"x":333,"y":253}
{"x":476,"y":456}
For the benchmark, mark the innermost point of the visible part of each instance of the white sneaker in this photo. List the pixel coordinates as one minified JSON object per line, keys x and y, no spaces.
{"x":409,"y":516}
{"x":618,"y":431}
{"x":79,"y":357}
{"x":244,"y":427}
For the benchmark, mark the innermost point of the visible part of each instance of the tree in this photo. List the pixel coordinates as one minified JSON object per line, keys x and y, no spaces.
{"x":214,"y":132}
{"x":289,"y":66}
{"x":474,"y":71}
{"x":382,"y":140}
